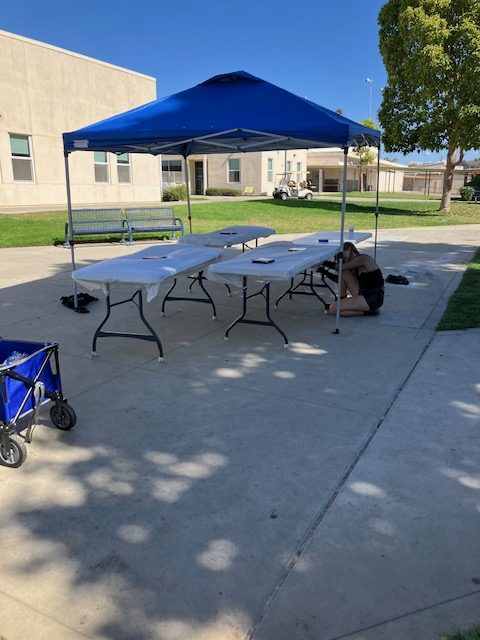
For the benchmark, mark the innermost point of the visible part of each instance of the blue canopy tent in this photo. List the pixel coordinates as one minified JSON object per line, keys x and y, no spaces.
{"x":229,"y":113}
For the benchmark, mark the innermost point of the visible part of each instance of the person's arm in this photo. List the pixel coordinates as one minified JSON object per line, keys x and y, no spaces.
{"x":354,"y":263}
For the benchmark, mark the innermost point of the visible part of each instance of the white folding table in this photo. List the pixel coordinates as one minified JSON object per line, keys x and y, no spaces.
{"x":228,"y":236}
{"x":330,"y":239}
{"x":274,"y":261}
{"x":146,"y":270}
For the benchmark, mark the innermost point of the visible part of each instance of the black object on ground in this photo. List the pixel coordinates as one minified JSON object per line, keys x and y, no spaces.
{"x":396,"y":279}
{"x":83,"y":299}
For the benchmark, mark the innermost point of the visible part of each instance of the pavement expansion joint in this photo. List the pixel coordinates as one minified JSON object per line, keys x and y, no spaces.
{"x":309,"y":534}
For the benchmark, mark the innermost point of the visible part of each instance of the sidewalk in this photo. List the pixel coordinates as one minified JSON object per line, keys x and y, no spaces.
{"x":238,"y":491}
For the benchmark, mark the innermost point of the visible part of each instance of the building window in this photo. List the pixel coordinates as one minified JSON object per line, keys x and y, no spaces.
{"x":124,"y":167}
{"x":22,"y":162}
{"x":172,"y":172}
{"x":101,"y":166}
{"x":234,"y":170}
{"x":289,"y":165}
{"x":270,"y":170}
{"x":299,"y":171}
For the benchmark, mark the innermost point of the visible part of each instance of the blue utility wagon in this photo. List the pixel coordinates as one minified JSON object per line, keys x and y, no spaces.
{"x":29,"y":377}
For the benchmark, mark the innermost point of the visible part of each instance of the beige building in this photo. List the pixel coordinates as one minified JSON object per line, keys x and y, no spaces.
{"x":325,"y":168}
{"x":46,"y":91}
{"x":428,"y":178}
{"x":258,"y":170}
{"x":326,"y":172}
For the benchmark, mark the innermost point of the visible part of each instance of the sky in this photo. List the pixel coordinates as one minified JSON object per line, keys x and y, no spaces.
{"x":321,"y":50}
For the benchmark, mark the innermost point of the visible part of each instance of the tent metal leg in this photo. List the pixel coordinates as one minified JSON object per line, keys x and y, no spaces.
{"x":376,"y":201}
{"x":342,"y":231}
{"x":187,"y":184}
{"x":70,"y":235}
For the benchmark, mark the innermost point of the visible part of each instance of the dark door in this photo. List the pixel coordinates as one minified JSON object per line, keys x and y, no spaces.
{"x":198,"y":178}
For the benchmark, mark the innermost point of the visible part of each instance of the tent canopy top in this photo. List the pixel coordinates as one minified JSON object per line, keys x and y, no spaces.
{"x":229,"y":113}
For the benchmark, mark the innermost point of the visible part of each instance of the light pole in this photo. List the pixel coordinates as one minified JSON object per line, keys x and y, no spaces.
{"x":369,"y":81}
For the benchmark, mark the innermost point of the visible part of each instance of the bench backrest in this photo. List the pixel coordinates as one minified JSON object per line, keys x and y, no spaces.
{"x":151,"y":214}
{"x":84,"y":219}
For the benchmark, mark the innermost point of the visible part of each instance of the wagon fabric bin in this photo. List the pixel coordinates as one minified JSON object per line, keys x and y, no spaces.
{"x":26,"y":383}
{"x":13,"y":392}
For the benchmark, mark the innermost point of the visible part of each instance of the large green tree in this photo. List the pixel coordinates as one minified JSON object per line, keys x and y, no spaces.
{"x":431,"y":50}
{"x":366,"y":155}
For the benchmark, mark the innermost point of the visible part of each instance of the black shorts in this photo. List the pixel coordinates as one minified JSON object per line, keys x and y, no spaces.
{"x":374,"y":297}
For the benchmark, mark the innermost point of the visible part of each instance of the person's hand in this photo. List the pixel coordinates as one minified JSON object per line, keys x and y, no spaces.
{"x":339,"y":256}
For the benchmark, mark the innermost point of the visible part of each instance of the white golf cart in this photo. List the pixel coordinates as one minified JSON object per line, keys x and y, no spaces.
{"x":286,"y":187}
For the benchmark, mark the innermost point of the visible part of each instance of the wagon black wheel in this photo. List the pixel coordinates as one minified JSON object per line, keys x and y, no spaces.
{"x":63,"y":416}
{"x":16,"y":453}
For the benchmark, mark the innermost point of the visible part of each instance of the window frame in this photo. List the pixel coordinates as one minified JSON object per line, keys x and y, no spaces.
{"x":101,"y":164}
{"x":270,"y":167}
{"x":128,"y":164}
{"x":28,"y":158}
{"x":299,"y":172}
{"x":234,"y":171}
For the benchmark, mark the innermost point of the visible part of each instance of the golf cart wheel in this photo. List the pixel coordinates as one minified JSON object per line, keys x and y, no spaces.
{"x":15,"y":455}
{"x":308,"y":196}
{"x":63,"y":416}
{"x":283,"y":196}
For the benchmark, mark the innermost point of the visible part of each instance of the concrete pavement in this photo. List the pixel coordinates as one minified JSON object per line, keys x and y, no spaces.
{"x":239,"y":491}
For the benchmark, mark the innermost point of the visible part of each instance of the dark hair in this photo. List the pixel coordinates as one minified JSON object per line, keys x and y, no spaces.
{"x":350,"y":245}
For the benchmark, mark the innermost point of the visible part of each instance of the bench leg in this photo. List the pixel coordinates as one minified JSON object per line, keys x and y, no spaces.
{"x":66,"y":244}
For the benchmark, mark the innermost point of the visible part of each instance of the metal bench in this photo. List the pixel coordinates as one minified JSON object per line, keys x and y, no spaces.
{"x":88,"y":222}
{"x":152,"y":219}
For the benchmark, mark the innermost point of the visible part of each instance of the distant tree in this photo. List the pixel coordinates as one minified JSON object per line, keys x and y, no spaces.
{"x":369,"y":123}
{"x":471,"y":164}
{"x":431,"y":50}
{"x":390,"y":159}
{"x":366,"y":155}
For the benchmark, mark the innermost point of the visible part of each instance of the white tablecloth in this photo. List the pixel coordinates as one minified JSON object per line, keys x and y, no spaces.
{"x":288,"y":258}
{"x":227,"y":237}
{"x":332,"y":238}
{"x":147,"y":268}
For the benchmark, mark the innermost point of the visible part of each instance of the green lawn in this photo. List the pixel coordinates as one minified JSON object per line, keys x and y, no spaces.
{"x":292,"y":216}
{"x":463,"y":311}
{"x":403,"y":195}
{"x":470,"y":634}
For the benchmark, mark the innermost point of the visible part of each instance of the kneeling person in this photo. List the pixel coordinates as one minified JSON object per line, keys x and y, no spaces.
{"x":363,"y":280}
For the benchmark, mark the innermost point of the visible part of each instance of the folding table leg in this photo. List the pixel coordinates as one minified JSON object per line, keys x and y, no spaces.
{"x":265,"y":293}
{"x":208,"y":299}
{"x":151,"y":337}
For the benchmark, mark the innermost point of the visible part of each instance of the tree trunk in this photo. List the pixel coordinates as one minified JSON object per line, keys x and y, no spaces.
{"x":452,"y":162}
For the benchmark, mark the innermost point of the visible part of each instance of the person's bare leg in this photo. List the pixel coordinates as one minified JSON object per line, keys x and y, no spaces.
{"x":354,"y":306}
{"x":349,"y":283}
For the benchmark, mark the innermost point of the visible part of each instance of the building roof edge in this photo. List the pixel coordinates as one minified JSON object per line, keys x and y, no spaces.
{"x":39,"y":43}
